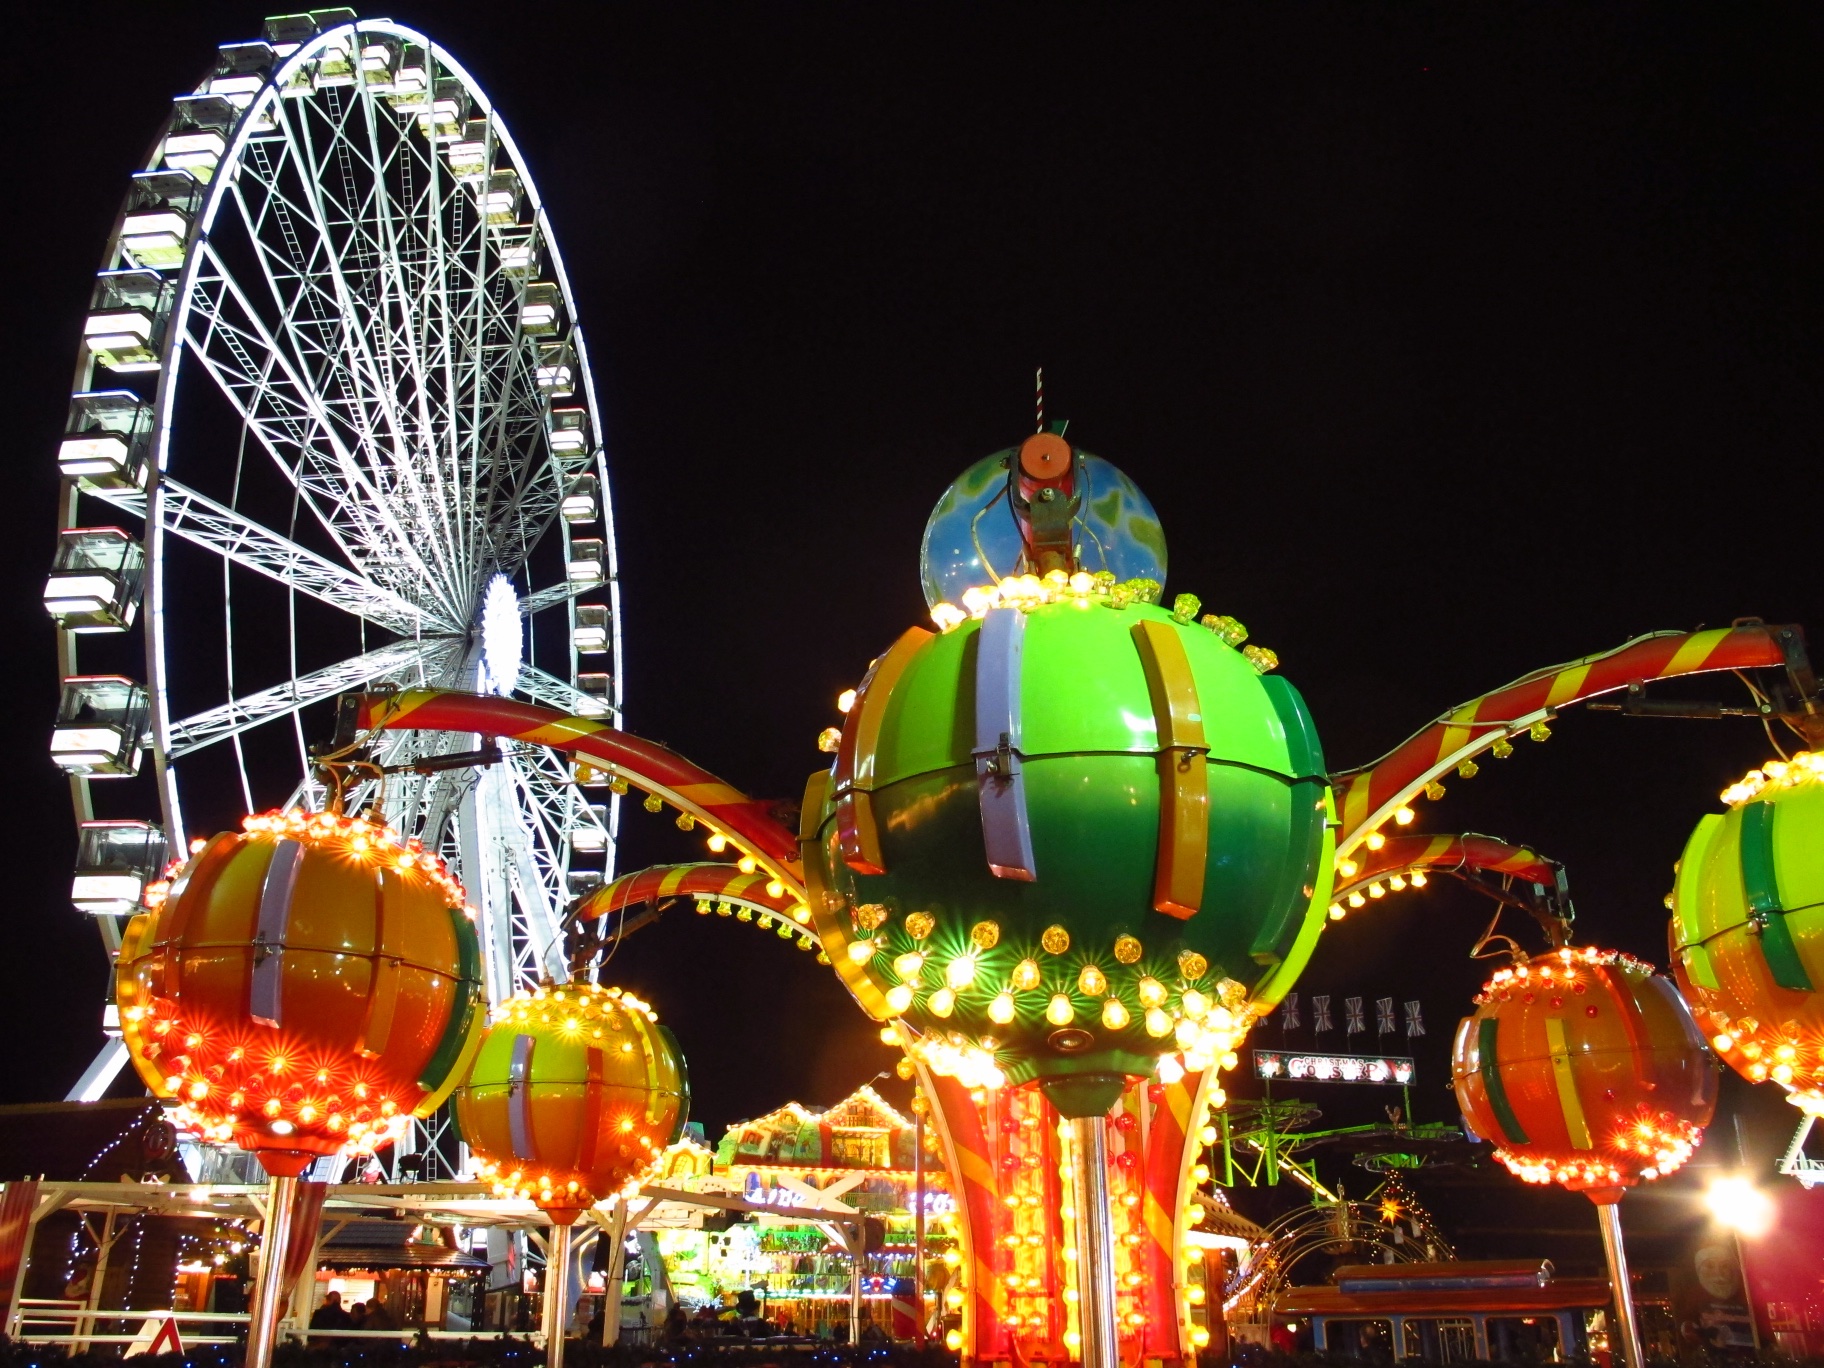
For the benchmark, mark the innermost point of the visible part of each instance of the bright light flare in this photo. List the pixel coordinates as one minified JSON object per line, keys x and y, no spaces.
{"x":1735,"y":1202}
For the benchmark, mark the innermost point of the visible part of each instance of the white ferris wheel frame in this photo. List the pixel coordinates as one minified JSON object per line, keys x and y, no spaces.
{"x":512,"y":822}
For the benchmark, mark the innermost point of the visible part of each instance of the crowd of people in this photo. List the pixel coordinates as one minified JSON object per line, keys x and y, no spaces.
{"x":363,"y":1315}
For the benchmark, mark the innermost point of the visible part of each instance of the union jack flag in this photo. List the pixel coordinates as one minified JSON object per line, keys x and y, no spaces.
{"x":1353,"y":1006}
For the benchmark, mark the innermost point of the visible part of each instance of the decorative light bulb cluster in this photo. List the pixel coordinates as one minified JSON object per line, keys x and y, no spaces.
{"x":1662,"y":1139}
{"x":917,"y":963}
{"x":1031,"y":1197}
{"x":1027,"y":592}
{"x":1805,"y":767}
{"x":1766,"y":1054}
{"x":1396,"y":881}
{"x":1553,"y":980}
{"x":226,"y":1084}
{"x":1501,"y":746}
{"x":786,"y":928}
{"x":1034,"y":1245}
{"x":365,"y":842}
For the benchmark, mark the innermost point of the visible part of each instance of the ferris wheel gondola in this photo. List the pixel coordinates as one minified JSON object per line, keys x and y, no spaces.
{"x":333,"y":428}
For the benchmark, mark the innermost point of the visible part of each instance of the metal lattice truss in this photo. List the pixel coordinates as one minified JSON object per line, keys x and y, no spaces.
{"x":377,"y":352}
{"x":369,"y":282}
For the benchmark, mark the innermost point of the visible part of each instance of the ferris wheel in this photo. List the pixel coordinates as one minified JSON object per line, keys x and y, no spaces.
{"x":332,"y":428}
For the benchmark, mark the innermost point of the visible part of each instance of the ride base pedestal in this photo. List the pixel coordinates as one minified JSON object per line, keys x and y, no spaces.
{"x":1037,"y":1272}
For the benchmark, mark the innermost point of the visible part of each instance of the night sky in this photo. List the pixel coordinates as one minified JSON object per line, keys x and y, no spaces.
{"x":1449,"y":343}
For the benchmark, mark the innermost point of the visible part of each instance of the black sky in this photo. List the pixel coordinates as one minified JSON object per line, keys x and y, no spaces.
{"x":1449,"y":342}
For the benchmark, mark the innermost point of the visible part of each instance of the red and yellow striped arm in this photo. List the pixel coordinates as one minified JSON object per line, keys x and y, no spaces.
{"x":1171,"y":1145}
{"x":644,"y":764}
{"x":963,"y":1132}
{"x":1446,"y":854}
{"x":1372,"y":794}
{"x":707,"y":879}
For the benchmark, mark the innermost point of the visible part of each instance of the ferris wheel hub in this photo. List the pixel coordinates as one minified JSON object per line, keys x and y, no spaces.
{"x":503,"y":641}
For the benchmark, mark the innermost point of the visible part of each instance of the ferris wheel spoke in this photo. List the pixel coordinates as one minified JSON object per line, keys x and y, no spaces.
{"x":555,"y":595}
{"x":546,"y":805}
{"x":345,"y":320}
{"x":272,"y":389}
{"x":473,"y":296}
{"x":191,"y":734}
{"x":203,"y":522}
{"x":400,"y":238}
{"x":553,"y":692}
{"x":505,"y":862}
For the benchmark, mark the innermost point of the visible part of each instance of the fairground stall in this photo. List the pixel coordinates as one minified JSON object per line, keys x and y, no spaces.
{"x":861,"y":1154}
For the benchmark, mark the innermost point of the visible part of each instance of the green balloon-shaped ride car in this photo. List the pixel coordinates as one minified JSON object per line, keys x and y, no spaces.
{"x":1070,"y":832}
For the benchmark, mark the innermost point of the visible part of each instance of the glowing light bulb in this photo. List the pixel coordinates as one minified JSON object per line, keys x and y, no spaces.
{"x":845,"y":700}
{"x":1091,"y":981}
{"x":1059,"y":1012}
{"x":942,"y":1002}
{"x":1114,"y":1015}
{"x":1151,"y":992}
{"x":1404,"y":816}
{"x":860,"y":952}
{"x":1025,"y":976}
{"x":960,"y":972}
{"x":1735,"y":1202}
{"x":1000,"y":1011}
{"x":1157,"y":1022}
{"x":899,"y":998}
{"x":1375,"y":840}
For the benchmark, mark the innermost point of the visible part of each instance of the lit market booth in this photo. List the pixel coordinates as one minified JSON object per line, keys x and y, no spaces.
{"x":859,"y":1156}
{"x":422,"y":1273}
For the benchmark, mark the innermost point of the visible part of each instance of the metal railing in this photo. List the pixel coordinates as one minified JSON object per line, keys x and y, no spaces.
{"x":83,"y":1321}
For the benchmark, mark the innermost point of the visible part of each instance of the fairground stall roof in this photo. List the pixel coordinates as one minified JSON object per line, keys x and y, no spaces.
{"x":861,"y":1132}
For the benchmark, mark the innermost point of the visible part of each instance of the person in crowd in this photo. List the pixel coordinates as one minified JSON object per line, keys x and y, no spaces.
{"x":330,"y":1315}
{"x":357,"y":1316}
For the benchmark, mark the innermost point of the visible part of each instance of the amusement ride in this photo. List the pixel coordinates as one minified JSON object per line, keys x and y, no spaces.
{"x":1075,"y":837}
{"x":336,"y":266}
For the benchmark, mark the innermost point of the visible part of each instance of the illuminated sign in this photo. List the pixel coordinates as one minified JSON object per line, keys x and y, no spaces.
{"x":1332,"y":1068}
